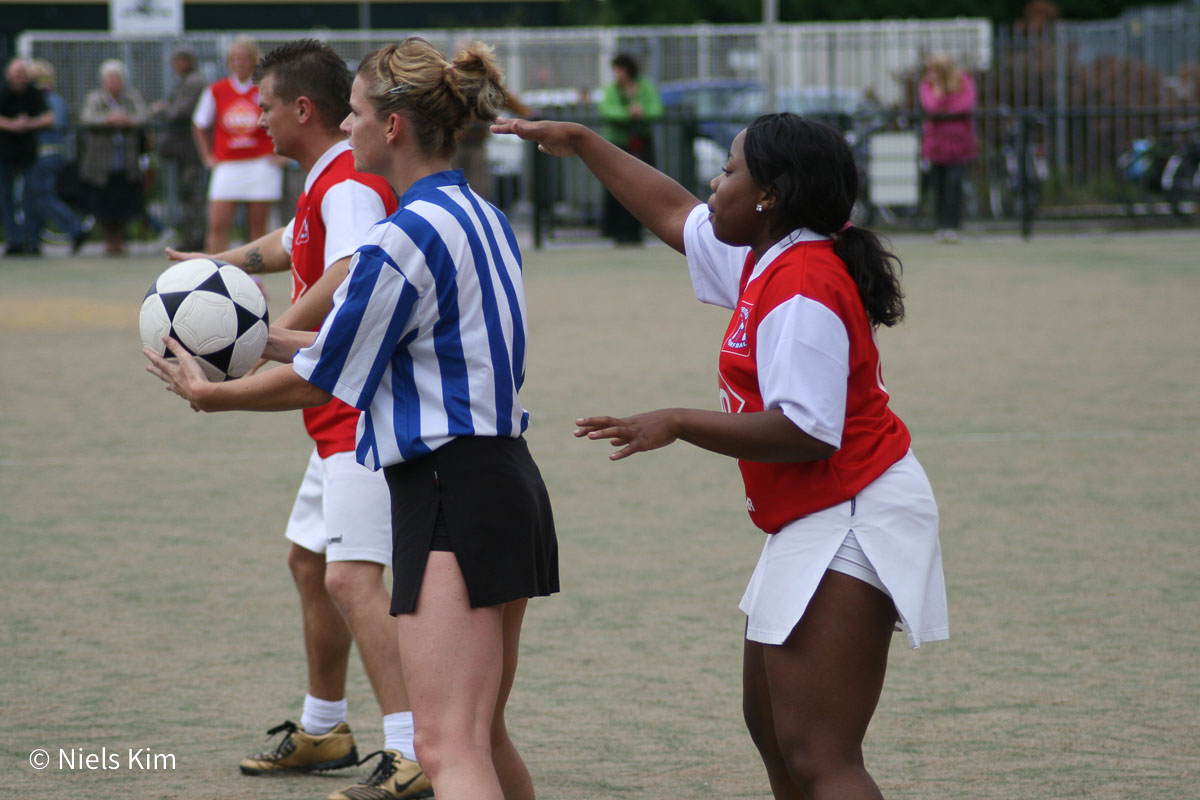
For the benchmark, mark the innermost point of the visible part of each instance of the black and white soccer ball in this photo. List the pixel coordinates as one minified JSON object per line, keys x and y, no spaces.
{"x":213,"y":309}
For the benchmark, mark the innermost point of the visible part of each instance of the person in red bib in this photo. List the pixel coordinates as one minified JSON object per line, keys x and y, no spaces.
{"x":852,"y":549}
{"x":340,"y":527}
{"x":239,"y":152}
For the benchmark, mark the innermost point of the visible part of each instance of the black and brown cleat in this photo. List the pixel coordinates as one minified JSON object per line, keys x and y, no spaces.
{"x":394,"y":778}
{"x":300,"y":751}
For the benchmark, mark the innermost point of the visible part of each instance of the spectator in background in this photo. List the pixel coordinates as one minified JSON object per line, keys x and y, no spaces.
{"x":45,"y":204}
{"x":947,"y":138}
{"x":185,"y":169}
{"x":629,"y":105}
{"x":113,"y":117}
{"x":23,"y":112}
{"x":240,"y":154}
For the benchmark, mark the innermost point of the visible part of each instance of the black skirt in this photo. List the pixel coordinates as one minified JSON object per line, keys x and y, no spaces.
{"x":496,"y":514}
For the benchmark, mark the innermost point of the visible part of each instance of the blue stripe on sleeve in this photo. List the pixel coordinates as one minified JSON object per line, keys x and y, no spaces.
{"x":366,"y":452}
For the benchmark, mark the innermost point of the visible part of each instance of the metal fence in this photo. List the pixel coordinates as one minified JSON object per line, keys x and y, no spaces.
{"x":1073,"y":99}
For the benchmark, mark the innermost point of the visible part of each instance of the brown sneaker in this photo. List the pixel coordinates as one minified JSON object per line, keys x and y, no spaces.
{"x":394,"y":778}
{"x":299,"y":751}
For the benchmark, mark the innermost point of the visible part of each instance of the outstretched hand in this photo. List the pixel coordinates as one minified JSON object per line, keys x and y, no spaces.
{"x":637,"y":434}
{"x":183,"y":375}
{"x":554,"y":138}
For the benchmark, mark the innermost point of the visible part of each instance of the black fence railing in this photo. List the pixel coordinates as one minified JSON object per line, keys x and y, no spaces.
{"x":1092,"y":164}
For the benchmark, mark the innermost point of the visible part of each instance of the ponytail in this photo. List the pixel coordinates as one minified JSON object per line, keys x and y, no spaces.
{"x":812,"y":172}
{"x":439,"y":97}
{"x":876,"y":272}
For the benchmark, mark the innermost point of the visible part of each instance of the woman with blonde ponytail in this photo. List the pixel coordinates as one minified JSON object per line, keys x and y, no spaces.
{"x":427,"y":338}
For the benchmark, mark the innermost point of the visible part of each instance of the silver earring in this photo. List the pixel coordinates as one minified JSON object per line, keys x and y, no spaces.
{"x":758,"y":208}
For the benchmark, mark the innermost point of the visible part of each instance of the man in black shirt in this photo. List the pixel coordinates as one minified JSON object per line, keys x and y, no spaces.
{"x":23,"y":112}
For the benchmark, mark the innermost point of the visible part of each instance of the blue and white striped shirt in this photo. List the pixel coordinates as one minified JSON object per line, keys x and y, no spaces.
{"x":427,"y":334}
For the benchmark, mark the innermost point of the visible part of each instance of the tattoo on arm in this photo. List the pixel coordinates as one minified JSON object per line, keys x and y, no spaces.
{"x":254,"y":262}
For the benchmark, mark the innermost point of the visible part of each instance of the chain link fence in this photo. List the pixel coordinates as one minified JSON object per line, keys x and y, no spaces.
{"x":1062,"y":107}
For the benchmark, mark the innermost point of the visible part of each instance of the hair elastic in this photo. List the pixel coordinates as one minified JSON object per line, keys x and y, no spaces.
{"x":846,"y":227}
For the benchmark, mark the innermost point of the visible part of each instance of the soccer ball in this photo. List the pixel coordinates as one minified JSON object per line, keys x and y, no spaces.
{"x":215,"y":310}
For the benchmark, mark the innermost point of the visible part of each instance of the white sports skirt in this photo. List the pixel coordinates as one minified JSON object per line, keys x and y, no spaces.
{"x":247,"y":180}
{"x":890,"y":528}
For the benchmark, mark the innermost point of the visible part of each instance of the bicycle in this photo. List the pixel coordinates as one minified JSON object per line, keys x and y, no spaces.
{"x":1150,"y":167}
{"x":1181,"y":172}
{"x":1010,"y":187}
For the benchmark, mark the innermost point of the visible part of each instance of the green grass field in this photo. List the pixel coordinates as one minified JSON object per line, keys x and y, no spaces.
{"x":1054,"y":397}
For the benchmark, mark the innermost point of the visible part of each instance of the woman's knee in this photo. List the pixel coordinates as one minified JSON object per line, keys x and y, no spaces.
{"x":437,"y":746}
{"x":812,"y":755}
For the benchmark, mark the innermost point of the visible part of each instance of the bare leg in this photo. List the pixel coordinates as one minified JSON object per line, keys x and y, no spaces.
{"x":357,"y":589}
{"x":454,"y":663}
{"x":808,"y":701}
{"x":514,"y":776}
{"x":220,"y":220}
{"x":327,"y":638}
{"x":257,"y":215}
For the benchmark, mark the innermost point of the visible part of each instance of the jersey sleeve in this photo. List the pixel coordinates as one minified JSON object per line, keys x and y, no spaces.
{"x":289,"y":235}
{"x":372,"y":311}
{"x":349,"y":209}
{"x":803,"y":353}
{"x":715,"y":267}
{"x":206,"y":108}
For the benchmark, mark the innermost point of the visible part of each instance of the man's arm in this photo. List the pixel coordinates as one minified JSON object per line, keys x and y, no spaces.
{"x":315,"y":304}
{"x":264,"y":254}
{"x":200,"y":136}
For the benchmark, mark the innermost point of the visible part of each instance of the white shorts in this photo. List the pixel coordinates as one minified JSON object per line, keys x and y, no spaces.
{"x":343,"y":510}
{"x":247,"y":180}
{"x":886,"y":536}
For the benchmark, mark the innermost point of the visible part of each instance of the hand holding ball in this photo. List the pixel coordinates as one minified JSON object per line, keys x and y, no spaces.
{"x":215,"y":310}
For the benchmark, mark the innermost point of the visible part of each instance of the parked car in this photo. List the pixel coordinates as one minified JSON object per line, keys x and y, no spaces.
{"x":846,"y":109}
{"x":708,"y":100}
{"x":724,"y":107}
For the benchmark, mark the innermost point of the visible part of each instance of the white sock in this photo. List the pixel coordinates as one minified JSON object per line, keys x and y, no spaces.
{"x":398,"y":734}
{"x":322,"y":716}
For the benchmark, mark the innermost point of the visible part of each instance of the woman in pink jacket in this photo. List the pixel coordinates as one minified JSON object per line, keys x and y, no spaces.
{"x":948,"y":138}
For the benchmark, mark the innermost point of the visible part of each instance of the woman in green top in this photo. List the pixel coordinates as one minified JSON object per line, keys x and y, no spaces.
{"x":629,"y":106}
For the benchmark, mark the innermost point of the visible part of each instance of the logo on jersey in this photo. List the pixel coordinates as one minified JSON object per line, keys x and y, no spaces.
{"x":240,"y":121}
{"x":738,"y":341}
{"x":731,"y":402}
{"x":302,"y":237}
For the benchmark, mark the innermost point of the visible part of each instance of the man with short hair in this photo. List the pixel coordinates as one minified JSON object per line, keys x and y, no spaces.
{"x":340,"y":527}
{"x":23,"y":112}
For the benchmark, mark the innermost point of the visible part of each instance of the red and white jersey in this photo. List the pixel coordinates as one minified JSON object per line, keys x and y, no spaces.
{"x":799,"y":341}
{"x":335,"y":211}
{"x":230,"y":108}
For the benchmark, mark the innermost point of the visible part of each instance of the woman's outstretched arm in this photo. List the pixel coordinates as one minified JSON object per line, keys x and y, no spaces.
{"x":661,"y":204}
